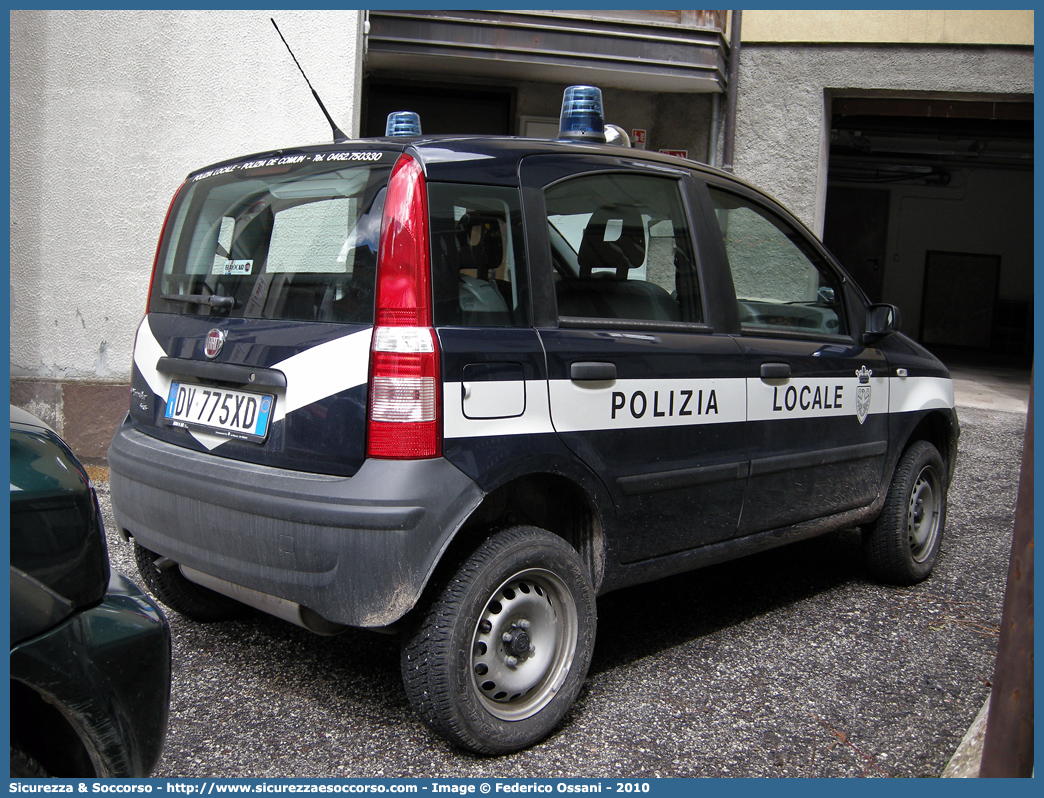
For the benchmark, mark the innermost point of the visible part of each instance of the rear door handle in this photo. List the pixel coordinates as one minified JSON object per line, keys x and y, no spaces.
{"x":588,"y":371}
{"x":775,"y":371}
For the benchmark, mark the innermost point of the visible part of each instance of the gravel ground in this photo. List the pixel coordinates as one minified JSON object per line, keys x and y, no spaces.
{"x":788,"y":663}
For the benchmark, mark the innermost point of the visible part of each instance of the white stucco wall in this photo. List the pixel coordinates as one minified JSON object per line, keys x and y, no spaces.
{"x":109,"y":111}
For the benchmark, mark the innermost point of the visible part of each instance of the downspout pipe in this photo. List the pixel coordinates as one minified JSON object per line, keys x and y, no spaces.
{"x":715,"y":131}
{"x":729,"y":147}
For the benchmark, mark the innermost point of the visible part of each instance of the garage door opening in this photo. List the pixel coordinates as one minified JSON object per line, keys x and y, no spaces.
{"x":930,"y":207}
{"x":442,"y":109}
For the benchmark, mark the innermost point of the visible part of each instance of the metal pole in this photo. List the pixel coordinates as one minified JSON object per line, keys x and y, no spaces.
{"x":733,"y":88}
{"x":1008,"y":747}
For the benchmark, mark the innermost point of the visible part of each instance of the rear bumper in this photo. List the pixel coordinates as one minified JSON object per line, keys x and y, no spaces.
{"x":356,"y":550}
{"x":107,"y":670}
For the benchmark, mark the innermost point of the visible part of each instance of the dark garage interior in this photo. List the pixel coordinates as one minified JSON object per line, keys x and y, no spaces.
{"x":930,"y":207}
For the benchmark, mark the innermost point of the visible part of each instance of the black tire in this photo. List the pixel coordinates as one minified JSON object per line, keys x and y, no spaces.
{"x":902,"y":545}
{"x":500,"y":655}
{"x":187,"y":598}
{"x":25,"y":766}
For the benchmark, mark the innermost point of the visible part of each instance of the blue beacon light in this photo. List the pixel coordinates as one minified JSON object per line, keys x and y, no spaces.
{"x":582,"y":116}
{"x":403,"y":123}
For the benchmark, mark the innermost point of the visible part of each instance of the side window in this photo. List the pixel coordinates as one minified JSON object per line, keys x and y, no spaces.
{"x":621,"y":249}
{"x":477,"y":256}
{"x":781,"y":281}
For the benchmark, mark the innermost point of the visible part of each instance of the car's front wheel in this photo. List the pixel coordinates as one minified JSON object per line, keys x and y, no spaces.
{"x":902,"y":545}
{"x":499,"y":657}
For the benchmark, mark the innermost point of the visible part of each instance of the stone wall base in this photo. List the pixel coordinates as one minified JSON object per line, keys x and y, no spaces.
{"x":86,"y":414}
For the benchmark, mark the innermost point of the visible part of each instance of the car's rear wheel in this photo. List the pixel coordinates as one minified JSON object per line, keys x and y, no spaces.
{"x":903,"y":543}
{"x":499,"y":657}
{"x":171,"y":587}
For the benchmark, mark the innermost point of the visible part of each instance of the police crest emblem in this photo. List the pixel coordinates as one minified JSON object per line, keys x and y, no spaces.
{"x":863,"y":393}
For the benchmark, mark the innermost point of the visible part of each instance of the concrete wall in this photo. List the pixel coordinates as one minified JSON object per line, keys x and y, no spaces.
{"x":782,"y":128}
{"x":109,"y":111}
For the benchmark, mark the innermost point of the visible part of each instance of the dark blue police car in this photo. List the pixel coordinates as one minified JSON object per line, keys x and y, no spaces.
{"x":461,"y":386}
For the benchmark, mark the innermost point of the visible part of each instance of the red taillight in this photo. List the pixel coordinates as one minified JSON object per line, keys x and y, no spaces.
{"x":404,"y":418}
{"x":159,"y":243}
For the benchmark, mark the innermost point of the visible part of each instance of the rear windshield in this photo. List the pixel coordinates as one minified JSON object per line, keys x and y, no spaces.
{"x":296,"y":245}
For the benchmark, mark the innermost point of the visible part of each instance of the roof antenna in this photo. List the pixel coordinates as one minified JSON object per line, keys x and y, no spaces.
{"x":338,"y":134}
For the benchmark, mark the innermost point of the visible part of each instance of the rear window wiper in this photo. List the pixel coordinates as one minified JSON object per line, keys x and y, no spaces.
{"x":201,"y":299}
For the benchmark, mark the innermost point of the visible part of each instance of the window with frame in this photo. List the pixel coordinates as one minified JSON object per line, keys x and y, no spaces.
{"x":621,"y":249}
{"x":782,"y":282}
{"x":478,"y":256}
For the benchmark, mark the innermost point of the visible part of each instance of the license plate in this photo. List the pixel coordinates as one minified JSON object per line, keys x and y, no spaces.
{"x":235,"y":414}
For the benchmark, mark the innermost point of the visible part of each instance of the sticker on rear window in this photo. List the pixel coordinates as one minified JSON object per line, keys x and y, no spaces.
{"x":348,"y":156}
{"x":233,"y":267}
{"x":292,"y":160}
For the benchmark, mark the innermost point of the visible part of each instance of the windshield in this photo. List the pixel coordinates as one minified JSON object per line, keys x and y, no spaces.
{"x":277,"y":245}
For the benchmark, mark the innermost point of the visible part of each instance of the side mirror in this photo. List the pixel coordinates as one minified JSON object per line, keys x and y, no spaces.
{"x":881,"y":320}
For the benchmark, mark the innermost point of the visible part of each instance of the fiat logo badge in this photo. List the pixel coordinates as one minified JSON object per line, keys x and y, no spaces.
{"x":215,"y":340}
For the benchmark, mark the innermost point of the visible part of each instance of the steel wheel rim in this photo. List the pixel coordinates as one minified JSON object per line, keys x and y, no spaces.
{"x":523,"y":644}
{"x":923,"y":514}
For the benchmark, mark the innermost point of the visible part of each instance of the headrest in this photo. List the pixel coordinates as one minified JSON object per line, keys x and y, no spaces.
{"x":479,"y":242}
{"x":613,"y":239}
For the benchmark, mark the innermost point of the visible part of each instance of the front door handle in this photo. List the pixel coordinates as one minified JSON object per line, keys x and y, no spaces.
{"x":589,"y":371}
{"x":775,"y":371}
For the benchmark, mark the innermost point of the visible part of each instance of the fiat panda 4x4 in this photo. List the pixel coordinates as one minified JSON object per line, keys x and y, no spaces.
{"x":460,"y":386}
